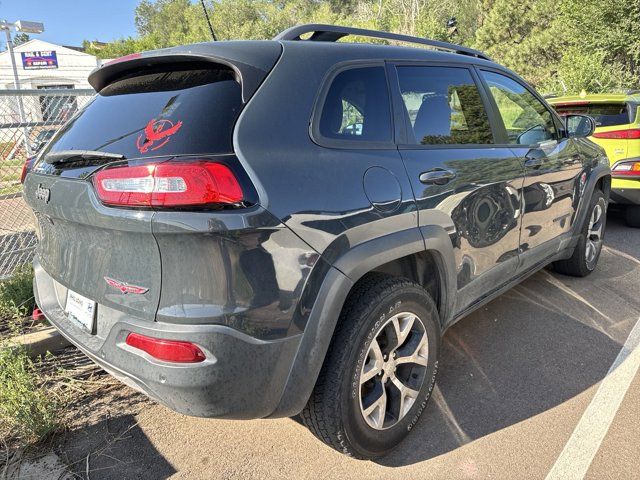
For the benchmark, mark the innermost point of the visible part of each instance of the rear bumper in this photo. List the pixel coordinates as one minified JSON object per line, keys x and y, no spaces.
{"x":626,"y":196}
{"x":243,"y":377}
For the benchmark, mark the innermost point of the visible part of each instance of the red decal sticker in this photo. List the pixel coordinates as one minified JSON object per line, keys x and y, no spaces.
{"x":156,"y":134}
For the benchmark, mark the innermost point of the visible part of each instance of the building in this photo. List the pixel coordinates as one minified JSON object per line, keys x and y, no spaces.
{"x":46,"y":72}
{"x":44,"y":65}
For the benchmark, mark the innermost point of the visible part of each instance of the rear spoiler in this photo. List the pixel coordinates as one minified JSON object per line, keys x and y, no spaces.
{"x":251,"y":62}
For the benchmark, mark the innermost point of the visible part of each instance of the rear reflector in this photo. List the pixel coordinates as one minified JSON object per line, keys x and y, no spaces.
{"x":168,"y":185}
{"x":166,"y":350}
{"x":619,"y":134}
{"x":627,"y":169}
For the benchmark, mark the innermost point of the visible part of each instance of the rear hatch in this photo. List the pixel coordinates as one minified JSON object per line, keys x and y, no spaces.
{"x":95,"y":236}
{"x":613,"y":124}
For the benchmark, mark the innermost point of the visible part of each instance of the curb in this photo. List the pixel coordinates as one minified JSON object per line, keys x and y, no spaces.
{"x":42,"y":341}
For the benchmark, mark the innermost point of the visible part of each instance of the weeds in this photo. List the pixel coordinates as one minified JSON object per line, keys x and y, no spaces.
{"x":16,"y":299}
{"x":28,"y":412}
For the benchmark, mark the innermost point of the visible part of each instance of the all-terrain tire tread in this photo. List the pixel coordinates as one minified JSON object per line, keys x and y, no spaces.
{"x":574,"y":266}
{"x":321,"y":415}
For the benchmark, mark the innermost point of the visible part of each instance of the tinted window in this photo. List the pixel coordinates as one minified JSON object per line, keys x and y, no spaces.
{"x":444,"y":106}
{"x":605,"y":115}
{"x":357,"y":106}
{"x":526,"y":118}
{"x":159,"y":113}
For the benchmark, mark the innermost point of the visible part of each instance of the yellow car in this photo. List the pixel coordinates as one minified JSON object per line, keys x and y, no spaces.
{"x":617,"y":119}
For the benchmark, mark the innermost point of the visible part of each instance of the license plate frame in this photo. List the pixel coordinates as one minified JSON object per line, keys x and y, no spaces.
{"x":81,"y":311}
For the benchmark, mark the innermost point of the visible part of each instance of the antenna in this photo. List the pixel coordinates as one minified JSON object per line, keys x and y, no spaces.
{"x":206,"y":14}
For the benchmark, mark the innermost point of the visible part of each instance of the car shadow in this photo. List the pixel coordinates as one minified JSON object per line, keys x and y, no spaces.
{"x":113,"y":447}
{"x":533,"y":348}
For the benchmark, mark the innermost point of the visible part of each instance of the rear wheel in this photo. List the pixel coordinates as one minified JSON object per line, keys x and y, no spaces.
{"x":379,"y":371}
{"x":587,"y":252}
{"x":632,"y":216}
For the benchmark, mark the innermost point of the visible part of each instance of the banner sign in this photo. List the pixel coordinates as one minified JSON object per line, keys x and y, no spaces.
{"x":39,"y":59}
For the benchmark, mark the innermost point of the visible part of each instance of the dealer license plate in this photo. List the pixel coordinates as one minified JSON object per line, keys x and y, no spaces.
{"x":81,"y":310}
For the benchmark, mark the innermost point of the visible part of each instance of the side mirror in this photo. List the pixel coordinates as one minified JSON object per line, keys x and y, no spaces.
{"x":579,"y":126}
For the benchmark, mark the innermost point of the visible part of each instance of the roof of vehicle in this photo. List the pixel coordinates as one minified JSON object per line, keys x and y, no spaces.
{"x":248,"y":56}
{"x":317,"y":32}
{"x":631,"y":96}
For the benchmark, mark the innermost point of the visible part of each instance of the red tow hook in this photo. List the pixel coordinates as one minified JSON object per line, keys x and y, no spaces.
{"x":37,"y":315}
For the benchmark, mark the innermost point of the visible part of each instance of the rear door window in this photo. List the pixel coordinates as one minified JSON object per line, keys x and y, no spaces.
{"x":159,"y":112}
{"x":605,"y":114}
{"x":443,"y":106}
{"x":356,"y":107}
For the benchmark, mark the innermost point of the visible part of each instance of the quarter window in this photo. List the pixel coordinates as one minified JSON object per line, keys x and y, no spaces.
{"x":443,"y":106}
{"x":356,"y":107}
{"x":525,"y":118}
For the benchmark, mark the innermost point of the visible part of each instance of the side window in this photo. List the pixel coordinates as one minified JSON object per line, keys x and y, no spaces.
{"x":444,"y":106}
{"x":357,"y":107}
{"x":526,"y":119}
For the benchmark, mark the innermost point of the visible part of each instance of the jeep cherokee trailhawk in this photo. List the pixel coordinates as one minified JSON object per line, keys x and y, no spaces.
{"x":285,"y":228}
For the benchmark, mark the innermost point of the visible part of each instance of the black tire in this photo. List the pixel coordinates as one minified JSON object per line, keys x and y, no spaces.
{"x":632,"y":216}
{"x":334,"y":413}
{"x":578,"y":264}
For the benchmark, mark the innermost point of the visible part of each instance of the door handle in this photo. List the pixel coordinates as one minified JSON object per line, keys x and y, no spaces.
{"x":534,"y":159}
{"x":437,"y":176}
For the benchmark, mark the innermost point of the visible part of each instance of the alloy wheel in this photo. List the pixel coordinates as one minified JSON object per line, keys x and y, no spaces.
{"x":594,"y":234}
{"x":394,"y":370}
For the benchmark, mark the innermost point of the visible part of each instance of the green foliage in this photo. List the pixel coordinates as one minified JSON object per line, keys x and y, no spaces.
{"x":521,"y":35}
{"x":16,"y":294}
{"x":20,"y":38}
{"x":566,"y":44}
{"x":554,"y":44}
{"x":27,"y":412}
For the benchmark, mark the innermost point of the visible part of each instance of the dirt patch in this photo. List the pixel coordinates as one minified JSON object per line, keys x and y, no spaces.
{"x":90,"y":422}
{"x":103,"y":439}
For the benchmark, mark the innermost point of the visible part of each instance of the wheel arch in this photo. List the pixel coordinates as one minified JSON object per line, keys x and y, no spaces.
{"x":407,"y":254}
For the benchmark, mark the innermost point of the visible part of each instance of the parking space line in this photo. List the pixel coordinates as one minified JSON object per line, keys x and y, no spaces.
{"x":613,"y":251}
{"x":578,"y":453}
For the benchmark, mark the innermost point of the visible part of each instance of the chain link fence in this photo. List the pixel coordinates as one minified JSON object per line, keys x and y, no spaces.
{"x":28,"y":119}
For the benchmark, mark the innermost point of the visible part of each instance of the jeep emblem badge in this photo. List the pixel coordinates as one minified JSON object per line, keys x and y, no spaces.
{"x":43,"y":193}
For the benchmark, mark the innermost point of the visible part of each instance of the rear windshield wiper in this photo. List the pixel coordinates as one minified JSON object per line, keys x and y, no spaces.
{"x":68,"y":156}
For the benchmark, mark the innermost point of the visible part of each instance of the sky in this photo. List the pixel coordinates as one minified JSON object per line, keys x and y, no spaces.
{"x":69,"y":22}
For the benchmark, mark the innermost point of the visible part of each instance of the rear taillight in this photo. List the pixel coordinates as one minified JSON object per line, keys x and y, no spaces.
{"x":25,"y":169}
{"x":629,"y":134}
{"x":167,"y":350}
{"x":626,"y":169}
{"x":168,"y":185}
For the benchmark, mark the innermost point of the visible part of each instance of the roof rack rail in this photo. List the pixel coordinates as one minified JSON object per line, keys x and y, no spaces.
{"x":332,"y":33}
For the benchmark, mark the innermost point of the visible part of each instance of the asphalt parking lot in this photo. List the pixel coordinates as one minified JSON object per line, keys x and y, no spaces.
{"x":524,"y":391}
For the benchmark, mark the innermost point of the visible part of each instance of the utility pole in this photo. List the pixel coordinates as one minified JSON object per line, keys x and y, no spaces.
{"x":27,"y":27}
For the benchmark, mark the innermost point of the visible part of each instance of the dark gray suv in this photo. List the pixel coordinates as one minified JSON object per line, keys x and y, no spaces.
{"x":286,"y":228}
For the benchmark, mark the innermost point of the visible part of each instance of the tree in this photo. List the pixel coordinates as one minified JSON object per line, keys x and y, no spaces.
{"x":565,"y":44}
{"x":522,"y":36}
{"x":607,"y":36}
{"x":20,"y":38}
{"x":554,"y":44}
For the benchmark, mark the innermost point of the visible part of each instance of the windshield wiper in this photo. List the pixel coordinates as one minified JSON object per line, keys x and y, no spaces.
{"x":67,"y":156}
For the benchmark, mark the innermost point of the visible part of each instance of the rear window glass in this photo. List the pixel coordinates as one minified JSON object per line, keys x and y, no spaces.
{"x":605,"y":115}
{"x":189,"y":111}
{"x":357,"y":107}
